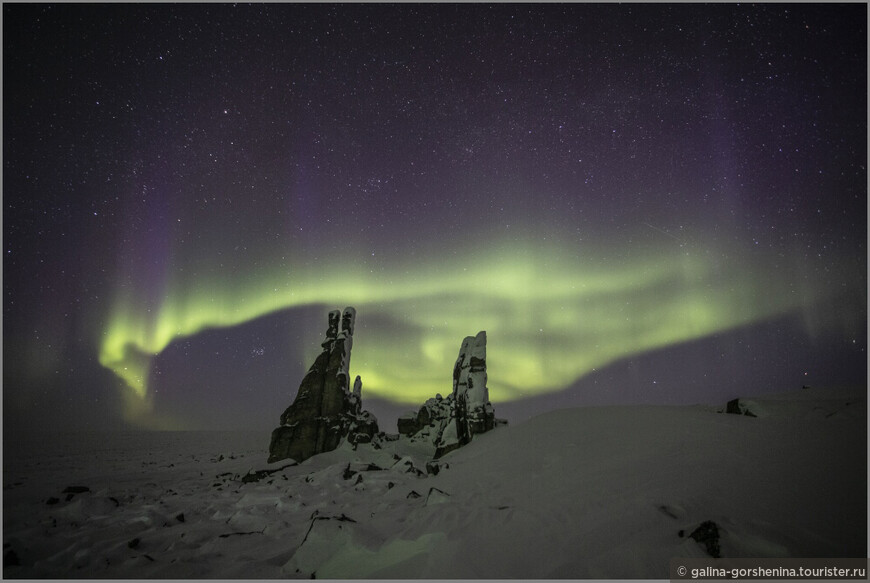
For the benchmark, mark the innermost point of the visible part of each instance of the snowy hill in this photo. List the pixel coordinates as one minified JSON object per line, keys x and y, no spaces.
{"x":604,"y":492}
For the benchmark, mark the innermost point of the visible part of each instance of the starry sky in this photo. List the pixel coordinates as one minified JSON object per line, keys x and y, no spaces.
{"x":639,"y":203}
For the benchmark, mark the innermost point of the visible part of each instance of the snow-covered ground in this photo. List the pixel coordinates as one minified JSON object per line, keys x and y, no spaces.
{"x":600,"y":492}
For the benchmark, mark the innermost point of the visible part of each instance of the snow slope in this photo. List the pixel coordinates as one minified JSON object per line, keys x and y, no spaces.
{"x":601,"y":492}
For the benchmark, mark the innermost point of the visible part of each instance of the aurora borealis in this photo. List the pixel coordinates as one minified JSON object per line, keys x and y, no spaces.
{"x":191,"y":188}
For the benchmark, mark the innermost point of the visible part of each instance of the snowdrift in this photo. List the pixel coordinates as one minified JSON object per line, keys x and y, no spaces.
{"x":603,"y":492}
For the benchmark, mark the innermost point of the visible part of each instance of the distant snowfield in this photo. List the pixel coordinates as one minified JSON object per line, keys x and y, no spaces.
{"x":601,"y":492}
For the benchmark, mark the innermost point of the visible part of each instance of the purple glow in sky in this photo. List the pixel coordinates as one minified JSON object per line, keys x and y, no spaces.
{"x":639,"y":203}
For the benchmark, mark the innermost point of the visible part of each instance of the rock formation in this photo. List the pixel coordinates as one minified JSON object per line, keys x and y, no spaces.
{"x":429,"y":420}
{"x":325,"y":410}
{"x":451,"y":422}
{"x":741,"y":407}
{"x":707,"y":534}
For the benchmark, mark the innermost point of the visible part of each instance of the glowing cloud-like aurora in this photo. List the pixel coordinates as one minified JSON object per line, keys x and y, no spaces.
{"x":552,"y":315}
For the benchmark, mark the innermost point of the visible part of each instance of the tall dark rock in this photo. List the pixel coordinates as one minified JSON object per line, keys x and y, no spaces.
{"x":325,"y":411}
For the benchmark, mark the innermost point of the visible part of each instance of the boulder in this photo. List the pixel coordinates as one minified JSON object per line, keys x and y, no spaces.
{"x":407,"y":423}
{"x":326,"y":411}
{"x":741,"y":407}
{"x":707,"y":534}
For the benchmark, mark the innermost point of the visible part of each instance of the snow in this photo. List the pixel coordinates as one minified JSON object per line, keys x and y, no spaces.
{"x":450,"y":435}
{"x":599,"y":492}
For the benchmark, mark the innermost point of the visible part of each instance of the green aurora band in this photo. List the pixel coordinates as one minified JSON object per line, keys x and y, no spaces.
{"x":552,"y":316}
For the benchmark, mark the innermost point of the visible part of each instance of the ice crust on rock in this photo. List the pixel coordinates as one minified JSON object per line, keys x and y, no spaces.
{"x":326,"y":411}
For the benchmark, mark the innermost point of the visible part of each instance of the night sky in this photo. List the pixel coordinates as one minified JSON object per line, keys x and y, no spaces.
{"x":639,"y":203}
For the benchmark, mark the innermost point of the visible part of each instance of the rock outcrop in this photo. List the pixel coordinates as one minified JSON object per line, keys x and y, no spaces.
{"x":707,"y":534}
{"x":326,"y":410}
{"x":429,"y":420}
{"x":741,"y":407}
{"x":451,"y":422}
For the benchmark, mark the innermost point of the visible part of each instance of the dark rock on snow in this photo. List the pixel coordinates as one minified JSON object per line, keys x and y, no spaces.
{"x":434,"y":467}
{"x":738,"y":407}
{"x":707,"y":534}
{"x":326,"y":409}
{"x":75,"y":490}
{"x":256,"y":476}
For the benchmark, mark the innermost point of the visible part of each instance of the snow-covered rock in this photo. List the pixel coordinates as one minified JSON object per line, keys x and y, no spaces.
{"x":451,"y":422}
{"x":429,"y":420}
{"x":744,"y":407}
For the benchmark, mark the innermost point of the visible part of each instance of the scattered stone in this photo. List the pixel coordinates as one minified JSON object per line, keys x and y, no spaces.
{"x":707,"y":534}
{"x":133,"y":543}
{"x":409,"y":467}
{"x":256,"y":476}
{"x":433,"y":467}
{"x":52,"y":501}
{"x":354,"y":469}
{"x":75,"y":490}
{"x":180,"y":517}
{"x":413,"y":494}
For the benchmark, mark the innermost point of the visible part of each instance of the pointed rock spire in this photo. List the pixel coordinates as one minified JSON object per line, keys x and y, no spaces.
{"x":325,"y":411}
